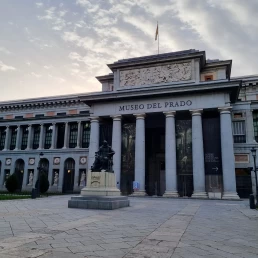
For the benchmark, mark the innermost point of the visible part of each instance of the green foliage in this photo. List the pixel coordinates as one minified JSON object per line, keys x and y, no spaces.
{"x":44,"y":184}
{"x":12,"y":183}
{"x":4,"y":197}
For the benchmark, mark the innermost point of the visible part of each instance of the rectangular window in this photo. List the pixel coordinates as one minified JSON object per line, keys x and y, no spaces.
{"x":239,"y":131}
{"x":18,"y":117}
{"x":84,"y":112}
{"x":13,"y":138}
{"x":48,"y":137}
{"x":61,"y":114}
{"x":36,"y":136}
{"x":39,"y":115}
{"x":60,"y":136}
{"x":2,"y":137}
{"x":73,"y":135}
{"x":25,"y":132}
{"x":255,"y":122}
{"x":85,"y":135}
{"x":208,"y":77}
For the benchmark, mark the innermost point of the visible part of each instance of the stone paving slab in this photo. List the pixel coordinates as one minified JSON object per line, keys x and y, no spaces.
{"x":150,"y":227}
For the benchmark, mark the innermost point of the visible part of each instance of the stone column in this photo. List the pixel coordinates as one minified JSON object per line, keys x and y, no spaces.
{"x":66,"y":135}
{"x":198,"y":155}
{"x":78,"y":145}
{"x":29,"y":137}
{"x":139,"y":171}
{"x":18,"y":137}
{"x":41,"y":137}
{"x":170,"y":156}
{"x":117,"y":146}
{"x":7,"y":136}
{"x":227,"y":154}
{"x":53,"y":139}
{"x":94,"y":140}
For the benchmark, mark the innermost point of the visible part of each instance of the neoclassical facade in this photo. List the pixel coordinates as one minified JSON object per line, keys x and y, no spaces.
{"x":173,"y":120}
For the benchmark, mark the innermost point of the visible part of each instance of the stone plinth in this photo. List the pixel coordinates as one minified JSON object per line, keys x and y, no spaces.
{"x":99,"y":202}
{"x":100,"y":184}
{"x":100,"y":193}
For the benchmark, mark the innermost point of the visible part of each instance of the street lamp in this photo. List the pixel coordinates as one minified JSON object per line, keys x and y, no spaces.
{"x":253,"y":150}
{"x":41,"y":154}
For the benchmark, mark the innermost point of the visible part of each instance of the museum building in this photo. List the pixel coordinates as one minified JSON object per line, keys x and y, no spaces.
{"x":179,"y":124}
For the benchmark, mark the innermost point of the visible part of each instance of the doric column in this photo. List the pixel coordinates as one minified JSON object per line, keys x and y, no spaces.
{"x":117,"y":146}
{"x":53,"y":139}
{"x":18,"y":137}
{"x":7,"y":136}
{"x":29,"y":137}
{"x":198,"y":155}
{"x":227,"y":154}
{"x":41,"y":137}
{"x":78,"y":145}
{"x":139,"y":171}
{"x":66,"y":135}
{"x":170,"y":156}
{"x":94,"y":140}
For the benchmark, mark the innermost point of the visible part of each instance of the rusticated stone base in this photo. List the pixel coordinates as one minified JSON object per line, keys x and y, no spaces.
{"x":99,"y":202}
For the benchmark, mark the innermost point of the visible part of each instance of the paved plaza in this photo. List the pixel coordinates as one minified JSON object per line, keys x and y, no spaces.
{"x":151,"y":227}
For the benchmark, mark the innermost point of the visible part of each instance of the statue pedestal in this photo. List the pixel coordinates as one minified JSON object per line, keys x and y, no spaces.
{"x":100,"y":193}
{"x":100,"y":184}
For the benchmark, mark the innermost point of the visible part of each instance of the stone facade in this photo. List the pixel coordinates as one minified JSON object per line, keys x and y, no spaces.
{"x":151,"y":93}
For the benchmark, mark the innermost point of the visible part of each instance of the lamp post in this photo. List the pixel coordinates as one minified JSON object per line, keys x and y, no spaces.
{"x":253,"y":150}
{"x":41,"y":154}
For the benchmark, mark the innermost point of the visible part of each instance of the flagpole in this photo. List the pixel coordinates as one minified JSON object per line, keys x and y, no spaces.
{"x":158,"y":38}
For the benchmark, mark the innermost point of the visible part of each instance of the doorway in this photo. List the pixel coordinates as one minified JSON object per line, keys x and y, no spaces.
{"x":19,"y":171}
{"x":69,"y":170}
{"x":155,"y":155}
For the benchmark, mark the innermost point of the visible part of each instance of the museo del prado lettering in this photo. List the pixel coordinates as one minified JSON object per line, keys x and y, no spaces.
{"x":156,"y":105}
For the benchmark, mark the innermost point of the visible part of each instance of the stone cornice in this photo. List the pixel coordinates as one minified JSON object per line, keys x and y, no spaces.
{"x":180,"y":89}
{"x":39,"y":103}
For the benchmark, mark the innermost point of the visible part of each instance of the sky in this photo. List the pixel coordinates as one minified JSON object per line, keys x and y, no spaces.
{"x":58,"y":47}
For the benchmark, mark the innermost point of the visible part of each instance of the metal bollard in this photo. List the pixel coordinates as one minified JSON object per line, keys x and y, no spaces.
{"x":251,"y":201}
{"x":33,"y":193}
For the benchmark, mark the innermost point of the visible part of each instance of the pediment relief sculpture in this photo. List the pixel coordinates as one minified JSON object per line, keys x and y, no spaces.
{"x":155,"y":75}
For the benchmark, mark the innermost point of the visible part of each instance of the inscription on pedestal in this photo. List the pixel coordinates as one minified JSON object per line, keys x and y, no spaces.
{"x":95,"y":181}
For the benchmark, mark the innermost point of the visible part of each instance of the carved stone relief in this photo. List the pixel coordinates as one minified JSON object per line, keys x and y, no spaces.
{"x":156,"y":75}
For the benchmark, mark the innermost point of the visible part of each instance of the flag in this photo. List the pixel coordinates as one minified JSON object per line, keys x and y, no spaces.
{"x":157,"y":32}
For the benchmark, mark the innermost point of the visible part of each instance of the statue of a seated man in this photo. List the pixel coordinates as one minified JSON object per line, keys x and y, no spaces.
{"x":103,"y":158}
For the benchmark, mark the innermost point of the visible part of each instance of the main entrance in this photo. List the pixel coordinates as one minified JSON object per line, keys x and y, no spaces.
{"x":155,"y":154}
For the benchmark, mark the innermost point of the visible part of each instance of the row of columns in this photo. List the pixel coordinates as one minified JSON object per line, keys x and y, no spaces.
{"x":41,"y":138}
{"x":227,"y":152}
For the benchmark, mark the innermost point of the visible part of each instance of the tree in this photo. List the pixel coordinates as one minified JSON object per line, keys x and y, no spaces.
{"x":12,"y":183}
{"x":44,"y":184}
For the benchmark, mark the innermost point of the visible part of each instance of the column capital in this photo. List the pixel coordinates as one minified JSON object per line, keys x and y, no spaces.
{"x":79,"y":122}
{"x":225,"y":110}
{"x":117,"y":117}
{"x":54,"y":123}
{"x":7,"y":126}
{"x":196,"y":112}
{"x":170,"y":113}
{"x":18,"y":126}
{"x":140,"y":116}
{"x":94,"y":119}
{"x":29,"y":126}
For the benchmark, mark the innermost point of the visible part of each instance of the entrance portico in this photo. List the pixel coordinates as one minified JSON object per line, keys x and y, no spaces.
{"x":189,"y":157}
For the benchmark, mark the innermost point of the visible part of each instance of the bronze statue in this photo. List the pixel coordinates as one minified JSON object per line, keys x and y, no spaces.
{"x":103,"y":158}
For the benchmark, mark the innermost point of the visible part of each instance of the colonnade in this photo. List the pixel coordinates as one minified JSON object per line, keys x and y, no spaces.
{"x":227,"y":152}
{"x":42,"y":135}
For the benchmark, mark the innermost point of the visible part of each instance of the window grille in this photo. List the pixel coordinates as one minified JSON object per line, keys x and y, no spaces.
{"x":73,"y":135}
{"x":13,"y":138}
{"x":86,"y":135}
{"x":25,"y":132}
{"x":2,"y":138}
{"x":255,"y":122}
{"x":36,"y":137}
{"x":239,"y":131}
{"x":48,"y":137}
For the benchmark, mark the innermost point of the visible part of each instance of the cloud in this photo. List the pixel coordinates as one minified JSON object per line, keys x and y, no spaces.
{"x":47,"y":67}
{"x":39,"y":5}
{"x":36,"y":75}
{"x":5,"y":68}
{"x":5,"y":51}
